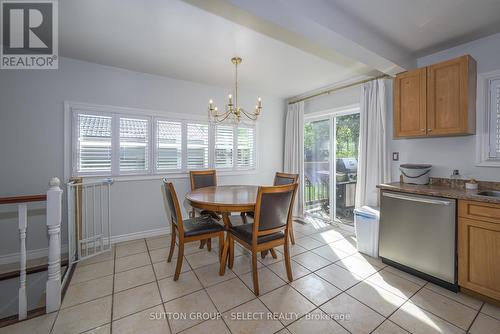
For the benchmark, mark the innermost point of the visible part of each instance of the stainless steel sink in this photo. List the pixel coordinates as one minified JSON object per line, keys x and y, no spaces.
{"x":490,"y":193}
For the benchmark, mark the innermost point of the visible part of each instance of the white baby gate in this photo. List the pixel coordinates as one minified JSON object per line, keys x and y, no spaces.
{"x":89,"y":218}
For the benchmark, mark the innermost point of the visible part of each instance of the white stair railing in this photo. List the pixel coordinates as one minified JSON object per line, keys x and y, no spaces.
{"x":22,"y":209}
{"x":53,"y":200}
{"x":54,"y":216}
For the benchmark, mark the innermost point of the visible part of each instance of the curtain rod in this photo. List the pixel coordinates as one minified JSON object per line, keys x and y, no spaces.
{"x":331,"y":90}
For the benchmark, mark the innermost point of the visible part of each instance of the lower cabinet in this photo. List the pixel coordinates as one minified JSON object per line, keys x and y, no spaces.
{"x":479,"y":248}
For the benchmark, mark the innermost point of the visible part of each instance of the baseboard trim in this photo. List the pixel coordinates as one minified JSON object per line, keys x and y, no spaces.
{"x":140,"y":235}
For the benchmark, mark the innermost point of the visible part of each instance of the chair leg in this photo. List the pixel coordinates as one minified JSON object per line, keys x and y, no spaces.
{"x":221,"y":244}
{"x":290,"y":231}
{"x":223,"y":260}
{"x":202,"y":243}
{"x":209,"y":244}
{"x":264,"y":253}
{"x":255,"y":275}
{"x":287,"y":260}
{"x":180,"y":257}
{"x":273,"y":253}
{"x":172,"y":244}
{"x":231,"y":252}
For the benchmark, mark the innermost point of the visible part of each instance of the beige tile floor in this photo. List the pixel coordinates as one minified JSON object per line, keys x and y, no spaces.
{"x":335,"y":290}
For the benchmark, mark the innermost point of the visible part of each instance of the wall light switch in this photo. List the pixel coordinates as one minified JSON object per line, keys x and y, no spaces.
{"x":395,"y":156}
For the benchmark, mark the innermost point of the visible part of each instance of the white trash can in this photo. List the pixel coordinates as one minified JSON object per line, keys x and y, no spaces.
{"x":366,"y":224}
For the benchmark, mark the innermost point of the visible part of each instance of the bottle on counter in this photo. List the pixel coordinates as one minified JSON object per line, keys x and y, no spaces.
{"x":455,"y":178}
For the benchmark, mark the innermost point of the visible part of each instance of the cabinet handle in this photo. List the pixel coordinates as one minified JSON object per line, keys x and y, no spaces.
{"x":429,"y":130}
{"x":423,"y":130}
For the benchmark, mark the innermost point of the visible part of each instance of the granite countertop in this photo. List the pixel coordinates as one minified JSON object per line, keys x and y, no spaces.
{"x":441,"y":190}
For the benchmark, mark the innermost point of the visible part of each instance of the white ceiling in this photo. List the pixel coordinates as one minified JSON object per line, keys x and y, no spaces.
{"x":425,"y":26}
{"x":175,"y":39}
{"x":288,"y":46}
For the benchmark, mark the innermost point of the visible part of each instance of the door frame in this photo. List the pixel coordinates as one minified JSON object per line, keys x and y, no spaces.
{"x":331,"y":115}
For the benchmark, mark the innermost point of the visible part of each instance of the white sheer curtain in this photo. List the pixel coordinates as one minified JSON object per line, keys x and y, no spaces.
{"x":294,"y":150}
{"x":374,"y":163}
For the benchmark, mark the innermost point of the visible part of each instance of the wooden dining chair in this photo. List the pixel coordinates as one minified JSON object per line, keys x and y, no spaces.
{"x":282,"y":179}
{"x":279,"y":180}
{"x":188,"y":230}
{"x":273,"y":211}
{"x":202,"y":179}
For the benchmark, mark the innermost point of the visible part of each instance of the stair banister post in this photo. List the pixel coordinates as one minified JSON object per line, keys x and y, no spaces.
{"x":22,"y":210}
{"x":54,"y":216}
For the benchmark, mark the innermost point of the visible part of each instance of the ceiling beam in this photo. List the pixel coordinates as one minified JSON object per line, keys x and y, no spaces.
{"x":320,"y":29}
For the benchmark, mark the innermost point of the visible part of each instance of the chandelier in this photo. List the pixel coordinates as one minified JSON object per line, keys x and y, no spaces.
{"x":233,"y":110}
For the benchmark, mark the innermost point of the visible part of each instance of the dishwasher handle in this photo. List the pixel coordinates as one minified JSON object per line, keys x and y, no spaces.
{"x":417,"y":199}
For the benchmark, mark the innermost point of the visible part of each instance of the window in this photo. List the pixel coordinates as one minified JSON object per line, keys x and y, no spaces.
{"x":169,"y":141}
{"x":111,"y":141}
{"x":224,"y":145}
{"x":494,"y":119}
{"x":134,"y":145}
{"x":94,"y":143}
{"x":197,"y":146}
{"x":245,"y":152}
{"x":488,"y":120}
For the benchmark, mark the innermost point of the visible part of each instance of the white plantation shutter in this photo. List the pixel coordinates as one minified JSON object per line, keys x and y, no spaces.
{"x":197,"y":146}
{"x":93,"y":143}
{"x":134,"y":145}
{"x":224,"y":145}
{"x":107,"y":141}
{"x":169,"y":144}
{"x":494,"y":121}
{"x":246,"y":149}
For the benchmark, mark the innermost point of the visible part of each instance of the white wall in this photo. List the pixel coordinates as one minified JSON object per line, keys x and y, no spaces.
{"x":446,"y":154}
{"x":31,"y":136}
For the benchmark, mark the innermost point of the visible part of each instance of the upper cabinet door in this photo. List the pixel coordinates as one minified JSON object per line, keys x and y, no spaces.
{"x":451,"y":96}
{"x":410,"y":104}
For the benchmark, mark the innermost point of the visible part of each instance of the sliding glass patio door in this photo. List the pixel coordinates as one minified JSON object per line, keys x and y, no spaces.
{"x":317,"y":168}
{"x":331,"y":148}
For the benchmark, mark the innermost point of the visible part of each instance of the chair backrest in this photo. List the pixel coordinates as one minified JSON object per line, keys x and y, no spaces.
{"x":273,"y":209}
{"x":202,"y":178}
{"x":172,"y":205}
{"x":285,"y":178}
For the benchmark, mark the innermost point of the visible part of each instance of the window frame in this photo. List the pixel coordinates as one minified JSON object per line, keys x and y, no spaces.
{"x":72,"y":109}
{"x":75,"y":147}
{"x":483,"y":128}
{"x":254,"y":152}
{"x":212,"y":149}
{"x":209,"y":142}
{"x":115,"y":163}
{"x":155,"y":146}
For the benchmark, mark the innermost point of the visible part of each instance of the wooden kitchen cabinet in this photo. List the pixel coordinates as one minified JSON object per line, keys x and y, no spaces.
{"x":479,"y":248}
{"x":437,"y":100}
{"x":410,"y":91}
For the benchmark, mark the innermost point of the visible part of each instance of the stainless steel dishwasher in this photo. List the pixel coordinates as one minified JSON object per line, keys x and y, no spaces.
{"x":418,"y":235}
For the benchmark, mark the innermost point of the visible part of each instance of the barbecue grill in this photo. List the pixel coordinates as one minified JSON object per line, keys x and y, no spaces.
{"x":347,"y":172}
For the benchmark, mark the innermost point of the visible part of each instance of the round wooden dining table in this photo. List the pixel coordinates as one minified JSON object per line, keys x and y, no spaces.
{"x":224,"y":200}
